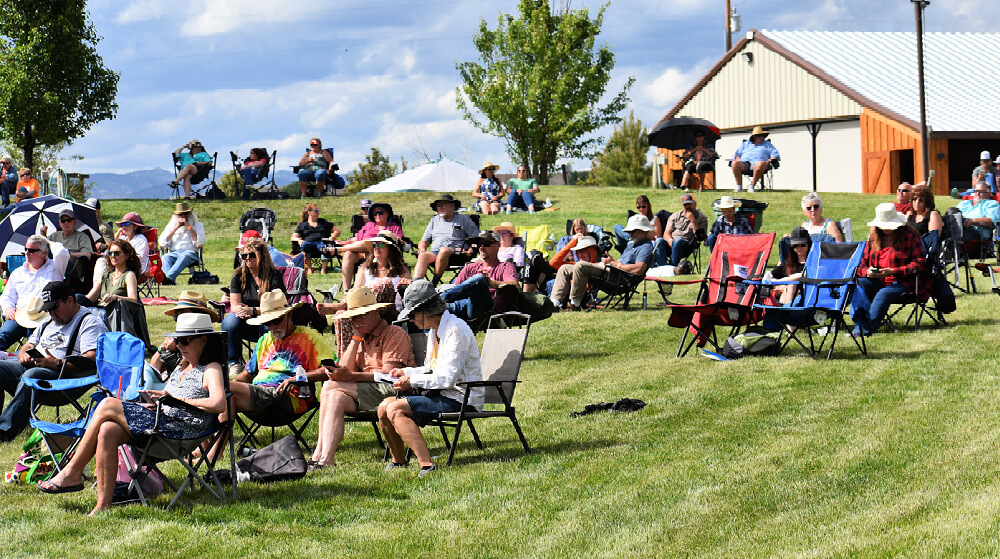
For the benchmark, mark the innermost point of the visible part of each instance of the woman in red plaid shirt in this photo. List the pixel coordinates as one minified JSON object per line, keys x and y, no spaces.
{"x":892,"y":259}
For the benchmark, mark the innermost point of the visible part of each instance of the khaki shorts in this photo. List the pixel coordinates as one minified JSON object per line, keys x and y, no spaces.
{"x":371,"y":394}
{"x":263,"y":398}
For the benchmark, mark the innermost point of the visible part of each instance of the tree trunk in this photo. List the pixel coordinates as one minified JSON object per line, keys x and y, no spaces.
{"x":543,"y":173}
{"x":29,"y":150}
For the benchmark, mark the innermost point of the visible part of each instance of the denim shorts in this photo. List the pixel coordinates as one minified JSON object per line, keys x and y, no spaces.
{"x":427,"y":407}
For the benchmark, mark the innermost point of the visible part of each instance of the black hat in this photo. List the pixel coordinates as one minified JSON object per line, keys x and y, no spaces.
{"x":376,"y":205}
{"x":487,"y":238}
{"x":800,"y":236}
{"x":53,"y":293}
{"x":446,"y":198}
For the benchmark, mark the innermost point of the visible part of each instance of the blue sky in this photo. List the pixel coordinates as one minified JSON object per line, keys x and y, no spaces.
{"x":273,"y":73}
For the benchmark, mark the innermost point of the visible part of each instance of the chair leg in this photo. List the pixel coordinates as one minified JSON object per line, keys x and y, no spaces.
{"x":520,"y":434}
{"x":454,"y":443}
{"x":475,"y":435}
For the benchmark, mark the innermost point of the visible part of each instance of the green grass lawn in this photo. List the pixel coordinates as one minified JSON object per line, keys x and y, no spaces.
{"x":893,"y":455}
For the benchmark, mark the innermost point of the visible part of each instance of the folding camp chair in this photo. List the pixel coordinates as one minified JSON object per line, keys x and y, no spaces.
{"x":148,"y":284}
{"x":923,"y":307}
{"x":264,"y":186}
{"x":297,"y":422}
{"x":503,"y":350}
{"x":119,"y":368}
{"x":334,"y":182}
{"x":723,"y":299}
{"x":197,"y":178}
{"x":823,"y":300}
{"x":617,"y":285}
{"x":954,"y":255}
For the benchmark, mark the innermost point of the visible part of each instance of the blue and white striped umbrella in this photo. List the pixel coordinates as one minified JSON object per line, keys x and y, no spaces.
{"x":28,"y":217}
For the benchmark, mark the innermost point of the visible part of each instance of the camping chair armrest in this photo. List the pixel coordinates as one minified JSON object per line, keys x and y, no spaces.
{"x":675,"y":282}
{"x":826,"y":282}
{"x":52,"y":385}
{"x":173,"y":402}
{"x":485,"y":383}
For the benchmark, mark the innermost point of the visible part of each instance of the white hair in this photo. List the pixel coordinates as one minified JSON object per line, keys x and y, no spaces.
{"x":42,"y":242}
{"x":808,"y":199}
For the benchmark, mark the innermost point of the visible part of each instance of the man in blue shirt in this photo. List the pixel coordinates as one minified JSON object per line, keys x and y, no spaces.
{"x":571,"y":279}
{"x":8,"y":174}
{"x":754,"y":157}
{"x":980,"y":215}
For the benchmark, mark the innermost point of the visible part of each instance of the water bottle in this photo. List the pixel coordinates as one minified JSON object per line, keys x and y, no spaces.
{"x":300,"y":374}
{"x":644,"y":299}
{"x":305,"y":389}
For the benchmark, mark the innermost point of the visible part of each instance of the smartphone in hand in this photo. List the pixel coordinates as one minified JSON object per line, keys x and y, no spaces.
{"x":34,"y":353}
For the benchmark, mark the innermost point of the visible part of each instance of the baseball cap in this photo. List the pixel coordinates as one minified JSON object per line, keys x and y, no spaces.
{"x":687,"y":198}
{"x":53,"y":292}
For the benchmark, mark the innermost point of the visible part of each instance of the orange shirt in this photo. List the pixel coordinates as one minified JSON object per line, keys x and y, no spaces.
{"x":31,"y":186}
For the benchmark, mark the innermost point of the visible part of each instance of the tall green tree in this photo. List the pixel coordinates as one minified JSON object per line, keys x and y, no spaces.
{"x":53,"y":83}
{"x":623,"y":161}
{"x":374,"y":169}
{"x":539,"y":84}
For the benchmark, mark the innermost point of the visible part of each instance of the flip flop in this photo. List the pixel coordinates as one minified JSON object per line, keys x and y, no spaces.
{"x":58,"y":488}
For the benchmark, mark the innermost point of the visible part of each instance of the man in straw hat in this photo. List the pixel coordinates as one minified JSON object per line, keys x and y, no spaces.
{"x":728,"y":223}
{"x":376,"y":347}
{"x":754,"y":157}
{"x":62,"y":328}
{"x":680,"y":232}
{"x":182,"y":237}
{"x":443,"y":238}
{"x":268,"y":379}
{"x":28,"y":280}
{"x":571,"y":279}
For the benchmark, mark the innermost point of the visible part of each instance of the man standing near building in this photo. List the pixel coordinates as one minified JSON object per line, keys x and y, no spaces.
{"x":754,"y":157}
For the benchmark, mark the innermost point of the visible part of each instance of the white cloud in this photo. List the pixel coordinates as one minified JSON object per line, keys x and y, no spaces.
{"x":218,"y":17}
{"x":669,"y":86}
{"x":142,"y":10}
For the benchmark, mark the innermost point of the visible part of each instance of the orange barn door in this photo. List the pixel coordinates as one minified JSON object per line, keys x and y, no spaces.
{"x":876,"y":173}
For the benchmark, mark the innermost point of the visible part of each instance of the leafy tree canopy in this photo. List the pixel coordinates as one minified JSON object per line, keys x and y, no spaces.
{"x":539,"y":83}
{"x":374,"y":169}
{"x":53,"y":83}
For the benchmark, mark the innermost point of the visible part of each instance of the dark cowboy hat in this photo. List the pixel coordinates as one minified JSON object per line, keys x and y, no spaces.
{"x":446,"y":198}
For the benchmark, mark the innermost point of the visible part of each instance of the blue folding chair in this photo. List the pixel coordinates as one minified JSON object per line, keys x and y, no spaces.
{"x":823,"y":299}
{"x":120,"y":358}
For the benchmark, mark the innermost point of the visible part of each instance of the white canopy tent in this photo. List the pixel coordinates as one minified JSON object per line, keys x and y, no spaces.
{"x":443,"y":175}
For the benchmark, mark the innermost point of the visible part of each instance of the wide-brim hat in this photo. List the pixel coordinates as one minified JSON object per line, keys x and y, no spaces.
{"x":489,"y":165}
{"x":133,"y":217}
{"x":418,"y":293}
{"x":446,"y":198}
{"x":727,"y":202}
{"x":192,"y":301}
{"x":30,"y":315}
{"x":886,"y":217}
{"x":195,"y":144}
{"x":585,"y":241}
{"x":506,"y":226}
{"x":383,"y":205}
{"x":384,"y":236}
{"x":192,"y":324}
{"x":758,"y":131}
{"x":638,"y":222}
{"x":361,"y":300}
{"x":182,"y":208}
{"x":273,"y":305}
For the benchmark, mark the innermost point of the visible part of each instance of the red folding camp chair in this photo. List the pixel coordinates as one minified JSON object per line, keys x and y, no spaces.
{"x":722,"y":300}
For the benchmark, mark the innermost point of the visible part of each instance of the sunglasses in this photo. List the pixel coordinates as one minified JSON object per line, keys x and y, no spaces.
{"x":641,"y":207}
{"x":67,"y":220}
{"x":125,"y":223}
{"x":115,"y":253}
{"x":32,"y":250}
{"x":378,"y":213}
{"x":379,"y":244}
{"x":903,"y":190}
{"x":505,"y":233}
{"x":810,"y":208}
{"x":522,"y":170}
{"x":248,"y":255}
{"x":25,"y":174}
{"x":314,"y":145}
{"x":185,"y":340}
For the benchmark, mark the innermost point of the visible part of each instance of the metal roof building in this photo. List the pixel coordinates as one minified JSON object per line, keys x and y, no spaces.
{"x":852,"y":99}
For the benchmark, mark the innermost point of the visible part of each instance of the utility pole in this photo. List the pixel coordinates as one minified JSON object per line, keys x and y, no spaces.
{"x":918,"y":8}
{"x":729,"y":30}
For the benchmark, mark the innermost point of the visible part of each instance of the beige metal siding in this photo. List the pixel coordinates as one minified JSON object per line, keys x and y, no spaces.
{"x":769,"y":91}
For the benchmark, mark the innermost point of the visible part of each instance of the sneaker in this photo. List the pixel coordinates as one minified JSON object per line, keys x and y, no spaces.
{"x":394,"y":466}
{"x":750,"y":189}
{"x":168,"y":281}
{"x":235,"y":368}
{"x":425,"y":470}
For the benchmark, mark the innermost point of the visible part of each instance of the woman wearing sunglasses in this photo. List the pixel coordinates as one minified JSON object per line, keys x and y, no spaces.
{"x":28,"y":183}
{"x":132,"y":229}
{"x":355,"y":250}
{"x":119,"y":279}
{"x":255,"y":275}
{"x":822,"y":230}
{"x":197,"y":381}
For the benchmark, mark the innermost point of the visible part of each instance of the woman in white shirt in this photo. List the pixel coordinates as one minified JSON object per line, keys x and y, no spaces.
{"x":452,"y":359}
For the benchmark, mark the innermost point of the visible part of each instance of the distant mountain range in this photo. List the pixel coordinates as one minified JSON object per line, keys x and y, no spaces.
{"x":152,"y":183}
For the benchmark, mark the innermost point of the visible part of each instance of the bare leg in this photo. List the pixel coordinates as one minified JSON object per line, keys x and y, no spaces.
{"x":335,"y":402}
{"x":349,"y":265}
{"x":302,"y":187}
{"x":443,"y":256}
{"x":685,"y":178}
{"x":738,"y":174}
{"x":392,"y":439}
{"x":758,"y":172}
{"x":400,"y":418}
{"x":424,"y":260}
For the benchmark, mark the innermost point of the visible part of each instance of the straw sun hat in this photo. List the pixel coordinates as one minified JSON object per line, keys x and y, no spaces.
{"x":273,"y":305}
{"x":192,"y":301}
{"x":361,"y":300}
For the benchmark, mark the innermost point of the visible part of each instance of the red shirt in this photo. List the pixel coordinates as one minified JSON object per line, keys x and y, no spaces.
{"x":906,"y":261}
{"x":504,"y":271}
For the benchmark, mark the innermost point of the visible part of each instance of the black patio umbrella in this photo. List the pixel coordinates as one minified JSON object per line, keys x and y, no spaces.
{"x":678,"y":132}
{"x":29,"y":215}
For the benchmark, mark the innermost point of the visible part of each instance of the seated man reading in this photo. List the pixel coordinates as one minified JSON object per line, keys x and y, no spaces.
{"x":474,"y":288}
{"x":571,"y":279}
{"x":443,"y":237}
{"x":376,"y":347}
{"x":62,"y":328}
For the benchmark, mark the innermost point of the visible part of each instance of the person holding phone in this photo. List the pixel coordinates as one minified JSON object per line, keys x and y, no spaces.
{"x":182,"y":237}
{"x":376,"y":347}
{"x":62,"y":330}
{"x":197,"y":382}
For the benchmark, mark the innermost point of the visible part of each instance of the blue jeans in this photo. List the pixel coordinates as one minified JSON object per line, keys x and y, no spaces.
{"x":16,"y":415}
{"x":621,"y":237}
{"x":6,"y":189}
{"x":238,"y":330}
{"x":11,"y":332}
{"x":175,"y":261}
{"x":661,"y":252}
{"x":871,"y":301}
{"x":249,"y":175}
{"x":524,"y":200}
{"x":305,"y":175}
{"x":679,"y":250}
{"x":469,"y":299}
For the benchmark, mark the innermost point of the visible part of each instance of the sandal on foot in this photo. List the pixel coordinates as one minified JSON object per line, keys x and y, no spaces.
{"x":55,"y":489}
